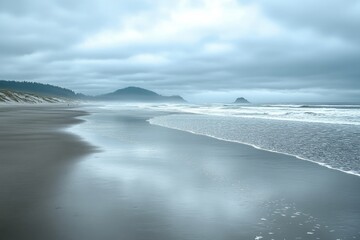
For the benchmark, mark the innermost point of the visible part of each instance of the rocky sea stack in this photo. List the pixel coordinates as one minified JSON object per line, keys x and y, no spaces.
{"x":241,"y":100}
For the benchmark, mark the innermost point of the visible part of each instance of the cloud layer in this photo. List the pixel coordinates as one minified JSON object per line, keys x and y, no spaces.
{"x":206,"y":50}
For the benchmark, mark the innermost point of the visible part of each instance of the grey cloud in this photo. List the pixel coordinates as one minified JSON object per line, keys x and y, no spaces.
{"x":332,"y":17}
{"x":317,"y":48}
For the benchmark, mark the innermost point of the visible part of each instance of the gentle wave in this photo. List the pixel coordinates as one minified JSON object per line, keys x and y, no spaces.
{"x":326,"y":145}
{"x":345,"y":114}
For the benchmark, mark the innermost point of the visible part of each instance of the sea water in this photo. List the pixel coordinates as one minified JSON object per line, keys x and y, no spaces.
{"x":328,"y":135}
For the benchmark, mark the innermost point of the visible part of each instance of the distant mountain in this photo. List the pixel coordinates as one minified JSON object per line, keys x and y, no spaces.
{"x":241,"y":100}
{"x":8,"y":96}
{"x":35,"y":91}
{"x":37,"y":88}
{"x":136,"y":94}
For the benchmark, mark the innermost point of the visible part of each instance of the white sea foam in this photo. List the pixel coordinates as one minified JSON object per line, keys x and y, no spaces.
{"x":330,"y":114}
{"x":333,"y":146}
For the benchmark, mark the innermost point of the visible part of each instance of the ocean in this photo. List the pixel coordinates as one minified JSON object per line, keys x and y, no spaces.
{"x":328,"y":135}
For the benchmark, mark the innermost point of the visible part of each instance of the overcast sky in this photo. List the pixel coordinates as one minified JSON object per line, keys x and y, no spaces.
{"x":206,"y":51}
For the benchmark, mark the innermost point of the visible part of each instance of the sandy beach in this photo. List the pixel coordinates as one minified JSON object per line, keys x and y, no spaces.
{"x":149,"y":182}
{"x":34,"y":155}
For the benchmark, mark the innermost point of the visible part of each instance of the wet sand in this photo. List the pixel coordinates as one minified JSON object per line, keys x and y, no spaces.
{"x":150,"y":182}
{"x":34,"y":155}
